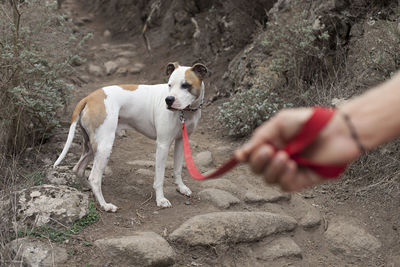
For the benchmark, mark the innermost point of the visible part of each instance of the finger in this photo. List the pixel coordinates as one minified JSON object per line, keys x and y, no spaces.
{"x":289,"y":176}
{"x":267,"y":132}
{"x":277,"y":167}
{"x":260,"y":158}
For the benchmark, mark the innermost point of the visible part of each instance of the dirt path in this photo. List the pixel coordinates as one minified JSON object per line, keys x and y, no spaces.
{"x":128,"y":184}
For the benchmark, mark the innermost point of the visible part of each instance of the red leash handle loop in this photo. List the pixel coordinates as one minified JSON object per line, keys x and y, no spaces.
{"x":309,"y":132}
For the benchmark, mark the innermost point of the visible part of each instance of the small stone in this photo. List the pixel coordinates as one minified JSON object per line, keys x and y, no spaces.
{"x":219,"y":198}
{"x":204,"y":159}
{"x":126,"y":54}
{"x":95,"y":70}
{"x":107,"y":34}
{"x":279,"y":248}
{"x":188,"y":203}
{"x":111,"y":67}
{"x":136,"y":68}
{"x":121,"y":61}
{"x":122,"y":71}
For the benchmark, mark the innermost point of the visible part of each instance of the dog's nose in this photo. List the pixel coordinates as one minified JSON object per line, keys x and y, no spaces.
{"x":169,"y":100}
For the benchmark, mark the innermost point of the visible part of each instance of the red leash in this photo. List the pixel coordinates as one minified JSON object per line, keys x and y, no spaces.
{"x":318,"y":120}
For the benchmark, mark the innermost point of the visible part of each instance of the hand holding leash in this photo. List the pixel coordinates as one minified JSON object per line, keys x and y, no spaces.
{"x":280,"y":150}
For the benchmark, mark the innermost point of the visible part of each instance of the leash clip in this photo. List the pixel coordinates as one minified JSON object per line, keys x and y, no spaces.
{"x":182,"y":116}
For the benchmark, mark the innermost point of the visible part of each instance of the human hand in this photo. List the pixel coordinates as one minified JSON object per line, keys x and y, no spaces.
{"x":333,"y":146}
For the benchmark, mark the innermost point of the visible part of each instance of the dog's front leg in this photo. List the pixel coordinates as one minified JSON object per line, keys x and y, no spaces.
{"x":161,"y":158}
{"x":178,"y":161}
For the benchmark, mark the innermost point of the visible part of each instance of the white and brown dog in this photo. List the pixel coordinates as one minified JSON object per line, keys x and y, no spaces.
{"x":152,"y":111}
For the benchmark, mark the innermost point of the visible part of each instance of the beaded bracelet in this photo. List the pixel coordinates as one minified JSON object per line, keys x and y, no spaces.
{"x":353,"y":133}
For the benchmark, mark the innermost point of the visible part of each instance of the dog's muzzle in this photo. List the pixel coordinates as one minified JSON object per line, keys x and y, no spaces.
{"x":169,"y":100}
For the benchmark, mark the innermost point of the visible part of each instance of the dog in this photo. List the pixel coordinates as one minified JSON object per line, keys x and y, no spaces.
{"x":153,"y":110}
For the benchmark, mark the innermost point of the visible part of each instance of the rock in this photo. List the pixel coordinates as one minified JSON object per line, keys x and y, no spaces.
{"x":111,"y":67}
{"x":231,"y":227}
{"x":95,"y":70}
{"x":222,"y":184}
{"x":122,"y":71}
{"x":307,"y":215}
{"x":219,"y":198}
{"x":107,"y":34}
{"x":59,"y":176}
{"x":140,"y":249}
{"x":265,"y":194}
{"x":121,"y":61}
{"x":49,"y":204}
{"x":204,"y":159}
{"x":136,"y":68}
{"x":84,"y":78}
{"x":351,"y":239}
{"x":34,"y":252}
{"x":280,"y":248}
{"x":126,"y":54}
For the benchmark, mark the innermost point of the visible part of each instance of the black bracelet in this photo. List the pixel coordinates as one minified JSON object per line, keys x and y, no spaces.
{"x":353,"y":133}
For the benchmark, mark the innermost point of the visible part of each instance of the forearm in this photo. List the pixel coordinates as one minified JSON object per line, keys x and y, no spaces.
{"x":376,"y":114}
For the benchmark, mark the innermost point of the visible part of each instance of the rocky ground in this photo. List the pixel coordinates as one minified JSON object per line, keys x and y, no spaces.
{"x":232,"y":221}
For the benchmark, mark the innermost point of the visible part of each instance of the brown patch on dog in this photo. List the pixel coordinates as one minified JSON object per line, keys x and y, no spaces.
{"x":194,"y":80}
{"x":96,"y":109}
{"x":129,"y":87}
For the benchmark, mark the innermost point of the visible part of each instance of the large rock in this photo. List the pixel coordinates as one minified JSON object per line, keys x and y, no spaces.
{"x":33,"y":252}
{"x":222,"y":184}
{"x":305,"y":213}
{"x":220,"y":198}
{"x":140,"y":249}
{"x":264,"y":194}
{"x":49,"y":204}
{"x":231,"y":227}
{"x":280,"y":248}
{"x":349,"y":238}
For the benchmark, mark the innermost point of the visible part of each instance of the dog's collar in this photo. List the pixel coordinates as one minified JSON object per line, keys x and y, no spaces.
{"x":188,"y":108}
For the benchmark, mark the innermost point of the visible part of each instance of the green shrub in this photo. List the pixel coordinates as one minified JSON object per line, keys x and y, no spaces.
{"x":248,"y":109}
{"x":297,"y":58}
{"x":297,"y":53}
{"x":37,"y":49}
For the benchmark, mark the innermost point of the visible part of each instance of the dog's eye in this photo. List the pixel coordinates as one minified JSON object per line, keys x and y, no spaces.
{"x":186,"y":86}
{"x":169,"y":85}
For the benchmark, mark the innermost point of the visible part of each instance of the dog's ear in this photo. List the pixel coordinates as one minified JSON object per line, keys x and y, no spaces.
{"x":171,"y":67}
{"x":200,"y":70}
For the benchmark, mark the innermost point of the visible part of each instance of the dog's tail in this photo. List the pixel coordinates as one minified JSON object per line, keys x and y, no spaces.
{"x":71,"y":133}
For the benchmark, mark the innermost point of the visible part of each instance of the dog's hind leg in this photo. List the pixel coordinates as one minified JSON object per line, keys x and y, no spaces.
{"x":178,"y":161}
{"x":86,"y":157}
{"x":105,"y":136}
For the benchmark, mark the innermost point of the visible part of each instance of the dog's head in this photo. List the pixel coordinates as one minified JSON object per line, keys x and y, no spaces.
{"x":185,"y":85}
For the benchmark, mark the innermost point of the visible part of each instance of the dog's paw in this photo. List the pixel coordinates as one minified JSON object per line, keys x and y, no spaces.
{"x":163,"y":203}
{"x":109,"y":207}
{"x":184,"y":190}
